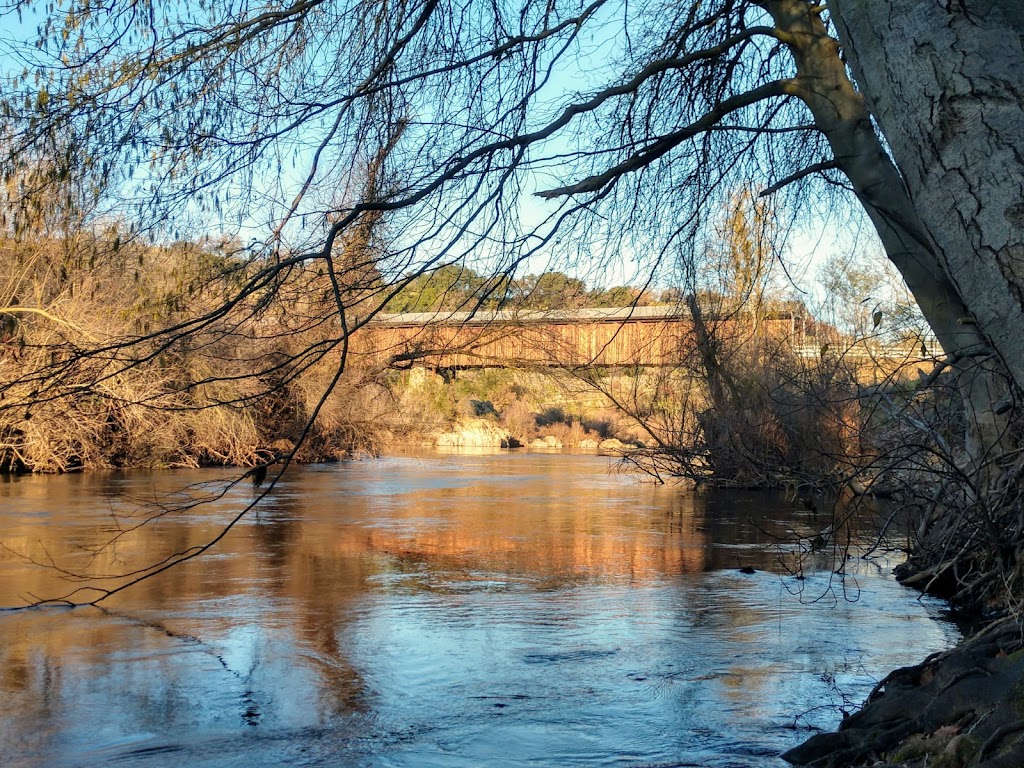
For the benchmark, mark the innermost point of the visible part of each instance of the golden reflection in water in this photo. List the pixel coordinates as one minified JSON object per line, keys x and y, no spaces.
{"x":314,"y":533}
{"x":507,"y":533}
{"x":319,"y":544}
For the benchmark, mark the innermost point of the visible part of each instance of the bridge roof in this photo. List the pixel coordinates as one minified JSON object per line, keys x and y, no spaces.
{"x":550,"y":316}
{"x":488,"y":317}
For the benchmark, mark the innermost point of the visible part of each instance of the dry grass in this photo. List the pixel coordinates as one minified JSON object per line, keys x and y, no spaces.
{"x":88,"y":381}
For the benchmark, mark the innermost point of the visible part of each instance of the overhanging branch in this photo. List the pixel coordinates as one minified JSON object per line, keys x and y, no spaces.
{"x":824,"y":165}
{"x":665,"y":144}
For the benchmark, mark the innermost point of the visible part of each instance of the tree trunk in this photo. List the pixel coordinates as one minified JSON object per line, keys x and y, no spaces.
{"x":724,"y":397}
{"x":945,"y":82}
{"x":841,"y":113}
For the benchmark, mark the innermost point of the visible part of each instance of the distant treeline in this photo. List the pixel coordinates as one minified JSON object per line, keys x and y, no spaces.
{"x":452,"y":287}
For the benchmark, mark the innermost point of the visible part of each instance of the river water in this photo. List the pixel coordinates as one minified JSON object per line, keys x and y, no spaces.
{"x":460,"y":610}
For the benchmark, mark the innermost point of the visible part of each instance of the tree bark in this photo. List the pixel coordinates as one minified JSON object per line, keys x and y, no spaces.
{"x":968,"y":324}
{"x":841,"y":114}
{"x":945,"y":82}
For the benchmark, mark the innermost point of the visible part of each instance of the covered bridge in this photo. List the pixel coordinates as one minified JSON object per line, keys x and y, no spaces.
{"x":631,"y":336}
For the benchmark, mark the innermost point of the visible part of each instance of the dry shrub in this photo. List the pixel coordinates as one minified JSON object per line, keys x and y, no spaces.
{"x":762,"y":417}
{"x":789,"y":423}
{"x":525,"y":423}
{"x":221,"y":435}
{"x":552,"y":415}
{"x":603,"y":427}
{"x":220,"y":394}
{"x":356,"y":417}
{"x":134,"y":422}
{"x":570,"y":434}
{"x":520,"y":421}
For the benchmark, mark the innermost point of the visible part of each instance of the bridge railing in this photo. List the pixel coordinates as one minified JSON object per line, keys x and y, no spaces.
{"x":920,"y":350}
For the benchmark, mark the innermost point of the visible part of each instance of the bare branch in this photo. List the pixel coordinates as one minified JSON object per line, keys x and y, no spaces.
{"x":667,"y":143}
{"x":825,"y":165}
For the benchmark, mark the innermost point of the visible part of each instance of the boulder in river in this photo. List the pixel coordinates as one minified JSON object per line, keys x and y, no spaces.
{"x":546,"y":442}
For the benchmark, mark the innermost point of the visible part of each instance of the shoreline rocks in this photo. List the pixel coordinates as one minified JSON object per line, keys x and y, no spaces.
{"x":961,"y":708}
{"x":547,"y":442}
{"x":476,"y":433}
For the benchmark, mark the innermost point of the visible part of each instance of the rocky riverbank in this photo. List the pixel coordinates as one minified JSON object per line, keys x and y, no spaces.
{"x":963,"y":708}
{"x":478,"y":432}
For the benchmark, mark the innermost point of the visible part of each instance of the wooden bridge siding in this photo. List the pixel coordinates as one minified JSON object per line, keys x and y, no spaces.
{"x":607,"y":344}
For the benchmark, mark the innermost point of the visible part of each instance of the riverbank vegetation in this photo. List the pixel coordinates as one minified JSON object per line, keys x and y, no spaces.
{"x":242,"y":391}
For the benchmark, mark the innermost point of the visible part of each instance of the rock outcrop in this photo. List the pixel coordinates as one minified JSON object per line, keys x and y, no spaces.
{"x":477,"y":433}
{"x":962,"y":708}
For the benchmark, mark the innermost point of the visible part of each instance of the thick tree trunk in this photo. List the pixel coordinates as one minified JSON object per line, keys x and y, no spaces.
{"x":945,"y":82}
{"x":841,"y":113}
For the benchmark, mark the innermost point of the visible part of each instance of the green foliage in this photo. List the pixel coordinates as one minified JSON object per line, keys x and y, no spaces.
{"x":448,"y":288}
{"x":622,"y":296}
{"x":457,"y":288}
{"x":550,"y":290}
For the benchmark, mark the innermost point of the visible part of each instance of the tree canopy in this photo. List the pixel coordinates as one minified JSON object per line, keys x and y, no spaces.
{"x":291,"y":124}
{"x":294,"y":124}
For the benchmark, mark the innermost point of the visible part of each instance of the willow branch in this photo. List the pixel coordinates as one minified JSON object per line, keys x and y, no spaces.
{"x":665,"y":144}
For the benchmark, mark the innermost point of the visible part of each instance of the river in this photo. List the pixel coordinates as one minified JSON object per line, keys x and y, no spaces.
{"x":437,"y":610}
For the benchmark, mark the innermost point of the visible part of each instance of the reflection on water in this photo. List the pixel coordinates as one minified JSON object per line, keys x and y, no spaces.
{"x":438,"y":611}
